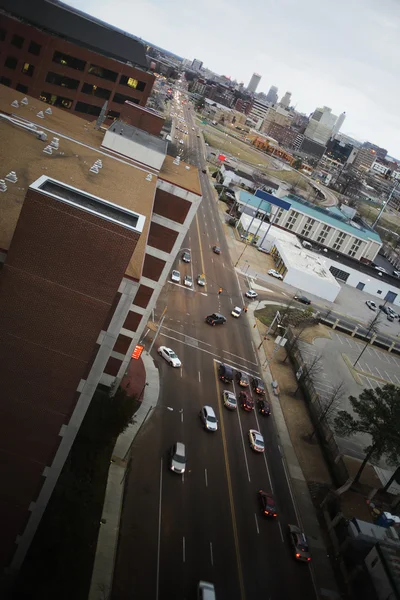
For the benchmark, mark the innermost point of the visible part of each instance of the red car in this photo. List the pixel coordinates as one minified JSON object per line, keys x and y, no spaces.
{"x":246,"y":401}
{"x":267,"y":504}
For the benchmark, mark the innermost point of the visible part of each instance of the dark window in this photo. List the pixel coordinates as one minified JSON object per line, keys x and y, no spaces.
{"x":132,"y":83}
{"x":379,"y":292}
{"x":93,"y":90}
{"x":17,"y":41}
{"x":34,"y":48}
{"x":339,"y":274}
{"x":88,"y":109}
{"x":103,"y":73}
{"x":28,"y":69}
{"x":5,"y":81}
{"x":11,"y":62}
{"x":66,"y":82}
{"x":21,"y":88}
{"x":113,"y":114}
{"x":2,"y":35}
{"x":69,"y":61}
{"x":121,"y":98}
{"x":55,"y":100}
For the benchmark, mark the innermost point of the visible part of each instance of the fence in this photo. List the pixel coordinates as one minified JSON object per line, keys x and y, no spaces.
{"x":324,"y":432}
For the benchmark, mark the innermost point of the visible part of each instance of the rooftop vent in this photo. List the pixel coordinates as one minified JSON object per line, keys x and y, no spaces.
{"x":94,"y":169}
{"x":40,"y":114}
{"x":12,"y":177}
{"x":24,"y":100}
{"x":99,"y":163}
{"x":3,"y":187}
{"x":48,"y":150}
{"x":15,"y":104}
{"x":48,"y":111}
{"x":149,"y":177}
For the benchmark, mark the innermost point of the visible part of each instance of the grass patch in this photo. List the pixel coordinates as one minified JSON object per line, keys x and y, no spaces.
{"x":387,"y":220}
{"x":60,"y":561}
{"x":267,"y":314}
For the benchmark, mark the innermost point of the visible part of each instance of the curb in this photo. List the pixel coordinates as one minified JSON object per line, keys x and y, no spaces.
{"x":107,"y":541}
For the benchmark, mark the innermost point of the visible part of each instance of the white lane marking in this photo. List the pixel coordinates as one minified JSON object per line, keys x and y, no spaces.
{"x":183,"y":548}
{"x":367,"y":365}
{"x":255,"y":518}
{"x":280,"y":529}
{"x":185,"y":287}
{"x":340,"y":339}
{"x":199,"y":377}
{"x":242,"y":368}
{"x":291,"y":493}
{"x":241,"y":357}
{"x":244,"y":449}
{"x":211,"y":554}
{"x":159,"y":532}
{"x":223,"y":265}
{"x":388,"y":376}
{"x":205,"y":476}
{"x":204,"y":294}
{"x":376,"y":369}
{"x":394,"y":361}
{"x":349,"y":343}
{"x":184,"y":335}
{"x":182,"y":415}
{"x":181,"y":372}
{"x":230,"y":299}
{"x":377,"y":353}
{"x":265,"y":458}
{"x":254,"y":350}
{"x":398,"y":380}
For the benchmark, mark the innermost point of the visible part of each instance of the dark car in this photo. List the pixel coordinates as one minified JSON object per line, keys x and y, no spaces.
{"x":258,"y":386}
{"x":263,"y":407}
{"x":245,"y":401}
{"x":186,"y":257}
{"x":390,"y":317}
{"x":267,"y":504}
{"x":204,"y":171}
{"x":216,"y":249}
{"x":225,"y":373}
{"x":215,"y":319}
{"x":302,"y":299}
{"x":242,"y":379}
{"x":299,"y":543}
{"x":384,"y":309}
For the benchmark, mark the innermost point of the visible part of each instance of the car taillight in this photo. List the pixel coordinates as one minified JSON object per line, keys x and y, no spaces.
{"x":266,"y":512}
{"x":297,"y":555}
{"x":274,"y":514}
{"x":308,"y":558}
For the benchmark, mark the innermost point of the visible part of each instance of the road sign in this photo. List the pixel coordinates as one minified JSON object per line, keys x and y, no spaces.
{"x":137,"y":352}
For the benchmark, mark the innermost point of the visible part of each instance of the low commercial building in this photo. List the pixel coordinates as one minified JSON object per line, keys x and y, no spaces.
{"x":91,"y":221}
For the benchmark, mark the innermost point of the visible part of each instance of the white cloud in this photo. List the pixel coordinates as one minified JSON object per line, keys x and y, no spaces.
{"x":343,"y":54}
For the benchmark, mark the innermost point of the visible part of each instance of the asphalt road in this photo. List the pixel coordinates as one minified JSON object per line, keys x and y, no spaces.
{"x":206,"y":525}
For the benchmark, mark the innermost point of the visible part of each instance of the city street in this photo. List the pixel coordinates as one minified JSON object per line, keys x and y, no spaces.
{"x":176,"y":530}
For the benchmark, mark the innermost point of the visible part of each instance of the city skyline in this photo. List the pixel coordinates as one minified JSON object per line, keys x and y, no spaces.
{"x":327,"y":57}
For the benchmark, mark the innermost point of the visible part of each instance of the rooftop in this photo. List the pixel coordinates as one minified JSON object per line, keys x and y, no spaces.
{"x":185,"y":178}
{"x":303,"y":260}
{"x":245,"y":198}
{"x":139,"y":136}
{"x":79,"y":27}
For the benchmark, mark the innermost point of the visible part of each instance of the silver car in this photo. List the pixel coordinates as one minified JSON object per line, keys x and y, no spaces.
{"x":209,"y":420}
{"x":178,"y":458}
{"x":188,"y":281}
{"x":176,"y":276}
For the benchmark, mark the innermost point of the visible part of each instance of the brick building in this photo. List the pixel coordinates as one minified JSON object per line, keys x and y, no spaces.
{"x":285,"y":136}
{"x":70,"y":60}
{"x":84,"y":253}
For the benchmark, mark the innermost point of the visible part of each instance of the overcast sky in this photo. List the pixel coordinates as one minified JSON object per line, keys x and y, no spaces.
{"x":343,"y":55}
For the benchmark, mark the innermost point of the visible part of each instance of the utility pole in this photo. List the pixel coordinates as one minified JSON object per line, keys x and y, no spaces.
{"x":158,"y":329}
{"x":384,"y":205}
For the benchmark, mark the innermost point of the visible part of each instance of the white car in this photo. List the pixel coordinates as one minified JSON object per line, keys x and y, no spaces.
{"x":371,"y":304}
{"x":208,"y":418}
{"x":188,"y":281}
{"x":251,"y":294}
{"x":176,"y":276}
{"x":229,"y":400}
{"x":256,"y":440}
{"x":275,"y":274}
{"x":381,"y":269}
{"x":181,"y":142}
{"x":237,"y":311}
{"x":170,"y":356}
{"x":193,"y":129}
{"x":201,"y":280}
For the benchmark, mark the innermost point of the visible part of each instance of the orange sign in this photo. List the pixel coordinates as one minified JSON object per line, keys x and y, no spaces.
{"x":137,"y":352}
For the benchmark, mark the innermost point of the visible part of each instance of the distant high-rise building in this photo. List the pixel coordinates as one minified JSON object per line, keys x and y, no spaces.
{"x":339,"y":123}
{"x":380,"y":152}
{"x":285,"y":100}
{"x":364,"y":159}
{"x":320,"y":126}
{"x":272,"y":95}
{"x":197,"y":64}
{"x":254,"y":81}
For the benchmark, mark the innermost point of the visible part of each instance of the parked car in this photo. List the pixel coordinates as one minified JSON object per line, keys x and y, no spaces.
{"x":201,"y":280}
{"x":188,"y":281}
{"x":170,"y":356}
{"x":299,"y":543}
{"x":208,"y":418}
{"x":371,"y":304}
{"x":176,"y":276}
{"x":302,"y":299}
{"x":215,"y":319}
{"x":385,"y":309}
{"x":225,"y":373}
{"x":186,"y":257}
{"x":177,"y":458}
{"x":275,"y":274}
{"x":381,"y":269}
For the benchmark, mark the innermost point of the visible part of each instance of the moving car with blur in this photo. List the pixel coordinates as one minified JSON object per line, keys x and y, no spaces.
{"x":267,"y":504}
{"x":256,"y":440}
{"x":170,"y":356}
{"x":299,"y":544}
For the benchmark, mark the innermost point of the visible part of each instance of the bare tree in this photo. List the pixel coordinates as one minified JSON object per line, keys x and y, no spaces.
{"x":329,"y":405}
{"x":372,"y":329}
{"x":310,"y":370}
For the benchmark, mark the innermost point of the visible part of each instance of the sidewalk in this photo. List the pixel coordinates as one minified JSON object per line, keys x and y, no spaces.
{"x":321,"y":569}
{"x":142,"y":379}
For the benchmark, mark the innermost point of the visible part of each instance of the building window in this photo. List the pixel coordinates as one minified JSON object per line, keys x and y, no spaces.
{"x":132,"y":83}
{"x":121,"y":98}
{"x":103,"y":73}
{"x":55,"y":100}
{"x":291,"y":222}
{"x":34,"y":48}
{"x":11,"y":62}
{"x":354,"y":247}
{"x":323,"y":234}
{"x":21,"y":88}
{"x":5,"y":81}
{"x":88,"y":109}
{"x":113,"y":114}
{"x":94,"y":90}
{"x":17,"y":41}
{"x":2,"y":35}
{"x":307,"y":227}
{"x":379,"y":292}
{"x":66,"y":82}
{"x":69,"y":61}
{"x":278,"y":215}
{"x":339,"y":241}
{"x":28,"y":69}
